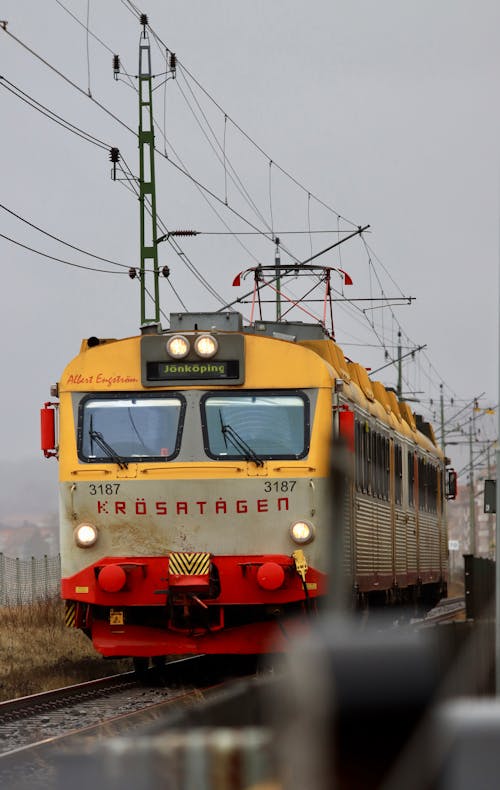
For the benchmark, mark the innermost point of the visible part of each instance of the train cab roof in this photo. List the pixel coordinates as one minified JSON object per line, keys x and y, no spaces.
{"x":357,"y":386}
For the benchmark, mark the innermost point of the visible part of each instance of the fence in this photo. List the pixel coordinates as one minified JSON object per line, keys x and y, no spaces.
{"x":26,"y":581}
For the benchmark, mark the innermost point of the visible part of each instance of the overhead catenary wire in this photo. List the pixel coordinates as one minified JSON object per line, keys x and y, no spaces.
{"x":182,"y":168}
{"x":51,"y":114}
{"x":62,"y":241}
{"x":92,"y":34}
{"x":130,"y":130}
{"x":72,"y":263}
{"x":68,"y":80}
{"x":223,"y":158}
{"x":90,"y":138}
{"x":88,"y":47}
{"x":60,"y":260}
{"x":180,"y":65}
{"x":201,"y":186}
{"x":176,"y":247}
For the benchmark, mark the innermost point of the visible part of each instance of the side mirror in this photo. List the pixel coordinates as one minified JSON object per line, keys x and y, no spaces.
{"x":48,"y":430}
{"x":346,"y":428}
{"x":451,"y":484}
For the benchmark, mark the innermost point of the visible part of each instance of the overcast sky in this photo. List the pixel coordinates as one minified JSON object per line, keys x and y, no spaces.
{"x":387,"y":112}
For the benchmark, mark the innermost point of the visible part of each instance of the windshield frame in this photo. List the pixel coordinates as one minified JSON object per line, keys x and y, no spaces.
{"x":234,"y":456}
{"x":143,"y":396}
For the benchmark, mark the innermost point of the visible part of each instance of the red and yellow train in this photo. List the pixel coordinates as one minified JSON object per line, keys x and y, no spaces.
{"x":195,"y":511}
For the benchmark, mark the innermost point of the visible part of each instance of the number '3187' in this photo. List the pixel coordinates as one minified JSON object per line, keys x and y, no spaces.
{"x":282,"y":486}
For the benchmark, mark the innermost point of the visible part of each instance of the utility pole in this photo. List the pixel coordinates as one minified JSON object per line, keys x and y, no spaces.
{"x":277,"y":264}
{"x":472,"y":514}
{"x":441,"y":404}
{"x":400,"y":367}
{"x":147,"y":187}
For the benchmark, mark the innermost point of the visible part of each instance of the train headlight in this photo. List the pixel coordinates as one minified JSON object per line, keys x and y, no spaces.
{"x":85,"y":535}
{"x":206,"y":346}
{"x":302,"y":532}
{"x":178,"y":346}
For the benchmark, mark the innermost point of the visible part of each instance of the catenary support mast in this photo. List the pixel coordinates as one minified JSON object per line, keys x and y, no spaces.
{"x":147,"y":190}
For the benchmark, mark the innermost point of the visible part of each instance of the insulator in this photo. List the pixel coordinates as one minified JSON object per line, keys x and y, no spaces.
{"x":116,"y":64}
{"x":183,"y":233}
{"x":173,"y":61}
{"x":144,"y":19}
{"x":114,"y":155}
{"x":165,"y":271}
{"x":132,"y":273}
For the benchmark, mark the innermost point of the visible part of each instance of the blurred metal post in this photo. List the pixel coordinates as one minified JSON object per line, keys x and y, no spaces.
{"x":472,"y":502}
{"x":497,"y":531}
{"x":340,"y":584}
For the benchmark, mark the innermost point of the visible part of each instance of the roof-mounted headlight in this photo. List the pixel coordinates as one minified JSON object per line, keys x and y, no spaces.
{"x":302,"y":532}
{"x":85,"y":535}
{"x":206,"y":346}
{"x":178,"y":346}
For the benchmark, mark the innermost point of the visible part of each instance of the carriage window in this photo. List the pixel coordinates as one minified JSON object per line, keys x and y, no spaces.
{"x":398,"y":474}
{"x":411,"y":480}
{"x":255,"y":426}
{"x":130,"y":427}
{"x":358,"y":454}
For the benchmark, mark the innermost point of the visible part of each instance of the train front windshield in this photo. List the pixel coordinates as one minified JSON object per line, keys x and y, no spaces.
{"x":261,"y":424}
{"x":130,"y":427}
{"x":254,"y":426}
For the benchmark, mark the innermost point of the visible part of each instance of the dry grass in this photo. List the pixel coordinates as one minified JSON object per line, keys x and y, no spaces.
{"x":38,"y":653}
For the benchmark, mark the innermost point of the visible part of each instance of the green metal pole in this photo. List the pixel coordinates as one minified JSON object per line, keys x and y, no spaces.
{"x":277,"y":263}
{"x":147,"y":187}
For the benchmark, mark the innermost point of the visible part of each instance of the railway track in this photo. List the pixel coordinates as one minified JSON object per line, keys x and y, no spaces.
{"x":446,"y":610}
{"x":36,"y":731}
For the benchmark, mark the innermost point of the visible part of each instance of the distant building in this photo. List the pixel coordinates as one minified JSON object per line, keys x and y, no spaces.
{"x":28,"y":540}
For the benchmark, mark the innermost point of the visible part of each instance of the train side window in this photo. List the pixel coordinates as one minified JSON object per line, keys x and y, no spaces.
{"x":380,"y":466}
{"x":375,"y":464}
{"x":398,"y":474}
{"x":387,"y":468}
{"x":367,"y":483}
{"x":423,"y":484}
{"x":411,"y":480}
{"x":358,"y":452}
{"x":434,"y":489}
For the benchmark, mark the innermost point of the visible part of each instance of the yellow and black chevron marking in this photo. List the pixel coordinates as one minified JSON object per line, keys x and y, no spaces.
{"x":70,"y":614}
{"x":184,"y":563}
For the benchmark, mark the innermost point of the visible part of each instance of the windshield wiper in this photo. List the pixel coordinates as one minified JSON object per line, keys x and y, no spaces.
{"x":99,"y":439}
{"x":236,"y":440}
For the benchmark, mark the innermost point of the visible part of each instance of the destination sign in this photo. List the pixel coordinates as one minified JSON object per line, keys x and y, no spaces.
{"x":206,"y":370}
